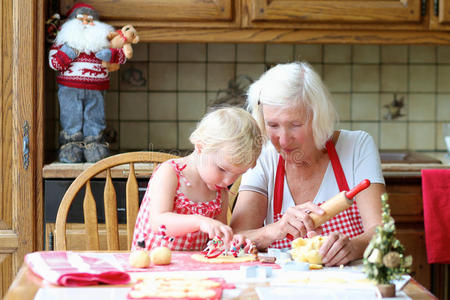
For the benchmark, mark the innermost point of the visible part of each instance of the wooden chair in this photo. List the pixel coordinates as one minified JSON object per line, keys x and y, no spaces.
{"x":232,"y":196}
{"x":89,"y":205}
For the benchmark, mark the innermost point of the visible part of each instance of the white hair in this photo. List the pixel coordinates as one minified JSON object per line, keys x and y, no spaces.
{"x":84,"y":38}
{"x":231,"y":130}
{"x":295,"y":84}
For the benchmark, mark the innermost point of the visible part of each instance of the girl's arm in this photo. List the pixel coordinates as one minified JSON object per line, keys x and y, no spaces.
{"x":162,"y":191}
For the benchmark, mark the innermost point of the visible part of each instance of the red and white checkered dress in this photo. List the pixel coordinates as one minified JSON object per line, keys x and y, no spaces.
{"x":348,"y":222}
{"x":182,"y":205}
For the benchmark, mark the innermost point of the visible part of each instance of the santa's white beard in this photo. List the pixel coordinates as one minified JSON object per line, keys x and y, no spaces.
{"x":84,"y":38}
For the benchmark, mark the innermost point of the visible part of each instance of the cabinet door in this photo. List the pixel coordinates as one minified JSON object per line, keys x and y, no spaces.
{"x":163,"y":13}
{"x":21,"y":83}
{"x":440,"y":15}
{"x":334,"y":14}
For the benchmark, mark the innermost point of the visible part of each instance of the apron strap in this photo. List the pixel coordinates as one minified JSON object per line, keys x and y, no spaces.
{"x":279,"y":177}
{"x":337,"y":167}
{"x":279,"y":187}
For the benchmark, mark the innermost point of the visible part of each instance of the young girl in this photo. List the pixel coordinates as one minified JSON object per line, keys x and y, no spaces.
{"x":188,"y":197}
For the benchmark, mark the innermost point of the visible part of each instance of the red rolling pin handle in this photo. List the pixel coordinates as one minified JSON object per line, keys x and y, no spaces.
{"x":361,"y":186}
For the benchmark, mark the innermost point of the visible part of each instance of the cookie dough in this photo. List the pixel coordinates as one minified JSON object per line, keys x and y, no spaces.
{"x":161,"y":256}
{"x":139,"y":259}
{"x":307,"y":250}
{"x":223,"y":259}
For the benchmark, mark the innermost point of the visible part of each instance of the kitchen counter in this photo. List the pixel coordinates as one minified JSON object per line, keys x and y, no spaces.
{"x":63,"y":170}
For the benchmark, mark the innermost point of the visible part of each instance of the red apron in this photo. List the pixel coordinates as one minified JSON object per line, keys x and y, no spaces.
{"x":347,"y":222}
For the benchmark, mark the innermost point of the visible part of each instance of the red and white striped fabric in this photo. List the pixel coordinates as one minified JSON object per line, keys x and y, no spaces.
{"x":182,"y":205}
{"x":85,"y":71}
{"x":76,"y":269}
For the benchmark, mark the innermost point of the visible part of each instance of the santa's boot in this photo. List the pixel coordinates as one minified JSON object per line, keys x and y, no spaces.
{"x":95,"y":148}
{"x":71,"y":150}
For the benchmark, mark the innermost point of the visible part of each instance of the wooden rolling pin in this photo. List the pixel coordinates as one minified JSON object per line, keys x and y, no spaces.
{"x":336,"y":205}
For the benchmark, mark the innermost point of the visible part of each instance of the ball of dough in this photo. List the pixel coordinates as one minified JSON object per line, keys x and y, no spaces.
{"x":139,"y":259}
{"x":161,"y":256}
{"x":307,"y":250}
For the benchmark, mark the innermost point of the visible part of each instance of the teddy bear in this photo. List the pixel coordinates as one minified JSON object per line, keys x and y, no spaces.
{"x":122,"y":38}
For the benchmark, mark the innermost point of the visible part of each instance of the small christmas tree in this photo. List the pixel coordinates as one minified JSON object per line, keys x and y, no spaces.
{"x":384,"y":260}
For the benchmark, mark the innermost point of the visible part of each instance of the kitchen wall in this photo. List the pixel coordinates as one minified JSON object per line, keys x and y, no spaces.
{"x":157,"y":97}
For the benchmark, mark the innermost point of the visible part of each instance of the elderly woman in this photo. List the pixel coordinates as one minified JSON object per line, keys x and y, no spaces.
{"x":306,"y":163}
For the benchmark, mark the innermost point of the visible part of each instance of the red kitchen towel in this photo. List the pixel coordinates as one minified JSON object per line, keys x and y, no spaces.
{"x":76,"y":269}
{"x":436,"y":209}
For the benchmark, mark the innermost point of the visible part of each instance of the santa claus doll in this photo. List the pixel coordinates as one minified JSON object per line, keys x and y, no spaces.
{"x":77,"y":54}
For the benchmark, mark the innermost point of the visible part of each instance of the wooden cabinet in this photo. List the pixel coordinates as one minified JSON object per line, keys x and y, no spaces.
{"x":333,"y":14}
{"x":161,"y":13}
{"x":405,"y":201}
{"x":281,"y":21}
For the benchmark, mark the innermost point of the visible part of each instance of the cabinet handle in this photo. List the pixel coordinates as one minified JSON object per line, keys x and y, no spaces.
{"x":26,"y":146}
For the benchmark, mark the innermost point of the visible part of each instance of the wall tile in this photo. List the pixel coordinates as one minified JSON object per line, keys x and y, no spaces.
{"x":443,"y":79}
{"x":422,"y":107}
{"x":341,"y":103}
{"x":163,"y":135}
{"x":337,"y":54}
{"x":191,"y":106}
{"x":140,"y":52}
{"x":218,"y":76}
{"x":344,"y":125}
{"x":162,"y":106}
{"x":443,"y":107}
{"x":440,"y":140}
{"x":191,"y":76}
{"x":387,"y":99}
{"x":134,"y":76}
{"x":113,"y":126}
{"x":394,"y":78}
{"x":191,"y":52}
{"x":133,"y":106}
{"x":113,"y":81}
{"x":112,"y":106}
{"x":163,"y":76}
{"x":250,"y":53}
{"x":163,"y":52}
{"x":366,"y":78}
{"x":133,"y":135}
{"x":365,"y":107}
{"x":309,"y":53}
{"x":372,"y":128}
{"x":337,"y":77}
{"x":252,"y":70}
{"x":443,"y":54}
{"x":221,"y":52}
{"x":393,"y":135}
{"x":421,"y":136}
{"x":367,"y":54}
{"x":184,"y":131}
{"x":422,"y":54}
{"x":279,"y":53}
{"x":422,"y":78}
{"x":394,"y":54}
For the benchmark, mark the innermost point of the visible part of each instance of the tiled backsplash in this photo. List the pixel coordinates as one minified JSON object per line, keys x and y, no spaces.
{"x":156,"y":98}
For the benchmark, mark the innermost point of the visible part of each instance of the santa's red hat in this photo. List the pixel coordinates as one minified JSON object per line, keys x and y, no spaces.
{"x":83,"y":9}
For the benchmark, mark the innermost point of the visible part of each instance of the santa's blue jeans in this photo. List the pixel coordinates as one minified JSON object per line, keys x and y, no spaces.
{"x":81,"y":110}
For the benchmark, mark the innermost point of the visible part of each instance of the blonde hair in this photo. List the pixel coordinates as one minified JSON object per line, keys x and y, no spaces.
{"x":295,"y":84}
{"x":230,"y":129}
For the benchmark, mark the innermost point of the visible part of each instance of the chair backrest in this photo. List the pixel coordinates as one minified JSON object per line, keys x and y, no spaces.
{"x":110,"y":202}
{"x":232,"y":195}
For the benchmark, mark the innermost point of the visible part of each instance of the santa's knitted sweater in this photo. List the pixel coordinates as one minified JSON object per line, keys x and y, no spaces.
{"x":85,"y":71}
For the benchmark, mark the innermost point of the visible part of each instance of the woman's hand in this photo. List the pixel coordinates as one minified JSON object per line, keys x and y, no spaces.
{"x":297,"y":222}
{"x":337,"y":250}
{"x":216,"y":228}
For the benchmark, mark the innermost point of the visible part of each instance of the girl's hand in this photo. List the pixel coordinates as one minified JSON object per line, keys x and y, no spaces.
{"x":337,"y":250}
{"x":297,"y":222}
{"x":216,"y":228}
